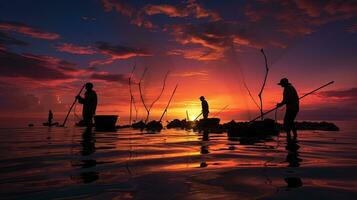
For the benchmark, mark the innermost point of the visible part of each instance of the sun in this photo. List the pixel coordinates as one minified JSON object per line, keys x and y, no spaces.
{"x":192,"y":117}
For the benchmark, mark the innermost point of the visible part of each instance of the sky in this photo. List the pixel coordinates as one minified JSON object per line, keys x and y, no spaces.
{"x":49,"y":49}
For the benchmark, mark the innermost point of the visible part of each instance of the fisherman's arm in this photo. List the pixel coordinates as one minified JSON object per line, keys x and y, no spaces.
{"x":80,"y":99}
{"x":285,"y":98}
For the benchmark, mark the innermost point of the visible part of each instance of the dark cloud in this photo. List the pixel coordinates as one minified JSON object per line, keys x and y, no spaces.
{"x":15,"y":98}
{"x":329,"y":113}
{"x":348,"y":94}
{"x":119,"y":78}
{"x":6,"y":39}
{"x":27,"y":30}
{"x":352,"y":28}
{"x":301,"y":17}
{"x":116,"y":52}
{"x":119,"y":50}
{"x":18,"y":102}
{"x":30,"y":66}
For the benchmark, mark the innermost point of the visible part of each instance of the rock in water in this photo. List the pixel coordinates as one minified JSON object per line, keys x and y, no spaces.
{"x":176,"y":123}
{"x":154,"y":126}
{"x":256,"y":128}
{"x":139,"y":125}
{"x":208,"y":124}
{"x":105,"y":122}
{"x":183,"y":124}
{"x":323,"y":126}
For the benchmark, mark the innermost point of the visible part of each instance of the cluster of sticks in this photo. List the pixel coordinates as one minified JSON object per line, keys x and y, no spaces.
{"x":147,"y":106}
{"x":260,"y":95}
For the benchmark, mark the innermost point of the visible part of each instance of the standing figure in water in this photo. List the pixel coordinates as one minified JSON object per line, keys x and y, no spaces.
{"x":50,"y":120}
{"x":89,"y":104}
{"x":291,"y":99}
{"x":205,"y":110}
{"x":50,"y":117}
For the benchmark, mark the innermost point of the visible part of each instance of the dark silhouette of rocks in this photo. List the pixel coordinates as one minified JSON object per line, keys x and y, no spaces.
{"x":240,"y":129}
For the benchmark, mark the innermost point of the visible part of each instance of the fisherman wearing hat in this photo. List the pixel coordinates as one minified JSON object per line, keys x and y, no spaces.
{"x":89,"y":104}
{"x":291,"y":99}
{"x":205,"y":110}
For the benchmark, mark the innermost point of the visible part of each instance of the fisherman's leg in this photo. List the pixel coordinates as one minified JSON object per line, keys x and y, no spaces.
{"x":293,"y":127}
{"x":294,"y":131}
{"x":287,"y":126}
{"x":205,"y":115}
{"x":88,"y":120}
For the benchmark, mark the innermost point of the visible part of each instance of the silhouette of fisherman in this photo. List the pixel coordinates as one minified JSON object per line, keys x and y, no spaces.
{"x":205,"y":110}
{"x":291,"y":99}
{"x":89,"y":104}
{"x":50,"y":117}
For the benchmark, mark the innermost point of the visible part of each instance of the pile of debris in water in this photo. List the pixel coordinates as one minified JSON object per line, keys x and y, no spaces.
{"x":265,"y":127}
{"x":152,"y":126}
{"x":233,"y":129}
{"x":322,"y":126}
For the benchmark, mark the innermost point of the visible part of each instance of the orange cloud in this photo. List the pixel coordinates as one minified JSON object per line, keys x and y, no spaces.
{"x":137,"y":17}
{"x":214,"y":39}
{"x":200,"y":12}
{"x":119,"y":6}
{"x":202,"y":54}
{"x":74,"y":49}
{"x":166,"y":9}
{"x":27,"y":30}
{"x":191,"y":7}
{"x":312,"y":8}
{"x":200,"y":73}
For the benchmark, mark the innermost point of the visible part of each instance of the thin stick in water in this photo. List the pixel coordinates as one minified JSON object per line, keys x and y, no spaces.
{"x":264,"y":82}
{"x":168,"y":104}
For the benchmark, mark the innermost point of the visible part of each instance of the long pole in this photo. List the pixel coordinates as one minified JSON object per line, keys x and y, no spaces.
{"x":197,"y":116}
{"x":219,"y":112}
{"x":70,"y":109}
{"x":167,"y":106}
{"x":269,"y":111}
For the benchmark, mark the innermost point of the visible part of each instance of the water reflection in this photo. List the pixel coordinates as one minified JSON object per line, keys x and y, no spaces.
{"x":293,"y":161}
{"x":205,"y":144}
{"x":293,"y":182}
{"x":137,"y":160}
{"x":204,"y":147}
{"x":88,"y":148}
{"x":293,"y":154}
{"x":88,"y":142}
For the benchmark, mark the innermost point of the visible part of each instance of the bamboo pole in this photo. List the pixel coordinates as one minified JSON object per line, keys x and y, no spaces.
{"x":70,"y":109}
{"x":167,"y":106}
{"x":219,"y":112}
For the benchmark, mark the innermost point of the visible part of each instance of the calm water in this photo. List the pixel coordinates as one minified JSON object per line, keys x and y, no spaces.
{"x":68,"y":163}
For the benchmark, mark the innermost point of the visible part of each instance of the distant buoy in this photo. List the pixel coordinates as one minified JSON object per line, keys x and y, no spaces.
{"x":31,"y":125}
